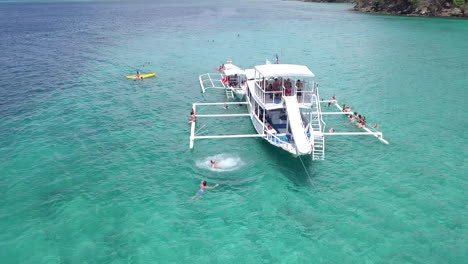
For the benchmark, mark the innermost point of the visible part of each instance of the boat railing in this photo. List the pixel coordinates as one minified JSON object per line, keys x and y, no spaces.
{"x":273,"y":137}
{"x":268,"y":97}
{"x":259,"y":92}
{"x":304,"y":96}
{"x":211,"y":81}
{"x":322,"y":123}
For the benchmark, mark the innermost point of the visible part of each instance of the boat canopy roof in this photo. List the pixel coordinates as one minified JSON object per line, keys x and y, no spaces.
{"x":234,"y":71}
{"x":284,"y":70}
{"x":250,"y":73}
{"x":231,"y":69}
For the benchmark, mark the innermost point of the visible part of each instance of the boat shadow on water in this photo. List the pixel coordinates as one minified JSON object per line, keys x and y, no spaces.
{"x":292,"y":167}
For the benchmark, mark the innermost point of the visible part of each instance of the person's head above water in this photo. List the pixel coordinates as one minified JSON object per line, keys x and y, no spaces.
{"x":213,"y":162}
{"x":203,"y":183}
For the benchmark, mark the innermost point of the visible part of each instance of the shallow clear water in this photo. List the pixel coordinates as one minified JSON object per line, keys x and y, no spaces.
{"x":96,"y":168}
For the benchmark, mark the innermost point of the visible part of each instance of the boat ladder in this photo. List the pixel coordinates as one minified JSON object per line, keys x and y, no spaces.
{"x":318,"y":152}
{"x":229,"y":93}
{"x":315,"y":124}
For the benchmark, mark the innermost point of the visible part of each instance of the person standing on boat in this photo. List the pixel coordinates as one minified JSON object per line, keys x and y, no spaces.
{"x":299,"y":87}
{"x":276,"y":85}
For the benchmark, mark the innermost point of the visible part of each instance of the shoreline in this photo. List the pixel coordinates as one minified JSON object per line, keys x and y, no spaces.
{"x":422,"y":9}
{"x":452,"y":13}
{"x":383,"y":13}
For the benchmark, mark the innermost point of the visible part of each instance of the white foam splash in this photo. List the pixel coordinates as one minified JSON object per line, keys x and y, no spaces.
{"x":225,"y":162}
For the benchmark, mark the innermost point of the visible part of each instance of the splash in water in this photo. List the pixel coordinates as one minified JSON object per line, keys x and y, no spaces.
{"x":224,"y":162}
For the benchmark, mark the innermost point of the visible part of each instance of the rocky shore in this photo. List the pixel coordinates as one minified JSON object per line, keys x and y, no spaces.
{"x":330,"y":1}
{"x":427,"y":8}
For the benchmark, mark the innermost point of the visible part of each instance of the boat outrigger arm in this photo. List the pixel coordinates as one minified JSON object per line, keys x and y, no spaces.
{"x":211,"y":81}
{"x":193,"y":133}
{"x":288,"y":116}
{"x":369,"y":132}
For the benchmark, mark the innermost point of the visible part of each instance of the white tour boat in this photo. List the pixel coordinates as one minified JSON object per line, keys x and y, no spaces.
{"x":284,"y":106}
{"x":231,"y":78}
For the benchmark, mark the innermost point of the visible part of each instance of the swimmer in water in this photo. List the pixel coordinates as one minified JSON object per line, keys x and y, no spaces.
{"x":214,"y":164}
{"x":203,"y":187}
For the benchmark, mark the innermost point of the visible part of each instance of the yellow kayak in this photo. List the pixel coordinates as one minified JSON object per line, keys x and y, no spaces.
{"x":142,"y":75}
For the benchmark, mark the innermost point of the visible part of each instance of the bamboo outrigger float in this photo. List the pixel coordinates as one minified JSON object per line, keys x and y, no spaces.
{"x":288,"y":114}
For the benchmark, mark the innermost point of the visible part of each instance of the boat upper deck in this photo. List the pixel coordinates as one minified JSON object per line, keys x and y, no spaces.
{"x":269,"y":83}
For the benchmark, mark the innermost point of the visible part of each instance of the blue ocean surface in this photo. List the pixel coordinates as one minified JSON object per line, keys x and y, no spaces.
{"x":95,"y":168}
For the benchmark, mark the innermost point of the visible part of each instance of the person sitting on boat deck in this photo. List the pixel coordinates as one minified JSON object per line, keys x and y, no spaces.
{"x":343,"y":109}
{"x":332,"y":102}
{"x":359,"y":118}
{"x":363,"y":121}
{"x":234,"y":80}
{"x":214,"y":164}
{"x":271,"y":130}
{"x":137,"y":75}
{"x":203,"y":187}
{"x":192,"y":119}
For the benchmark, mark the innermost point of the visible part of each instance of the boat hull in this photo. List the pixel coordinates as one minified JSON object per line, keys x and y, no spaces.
{"x":273,"y":139}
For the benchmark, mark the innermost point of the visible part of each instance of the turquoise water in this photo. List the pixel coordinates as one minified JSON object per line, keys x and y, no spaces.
{"x":96,"y":168}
